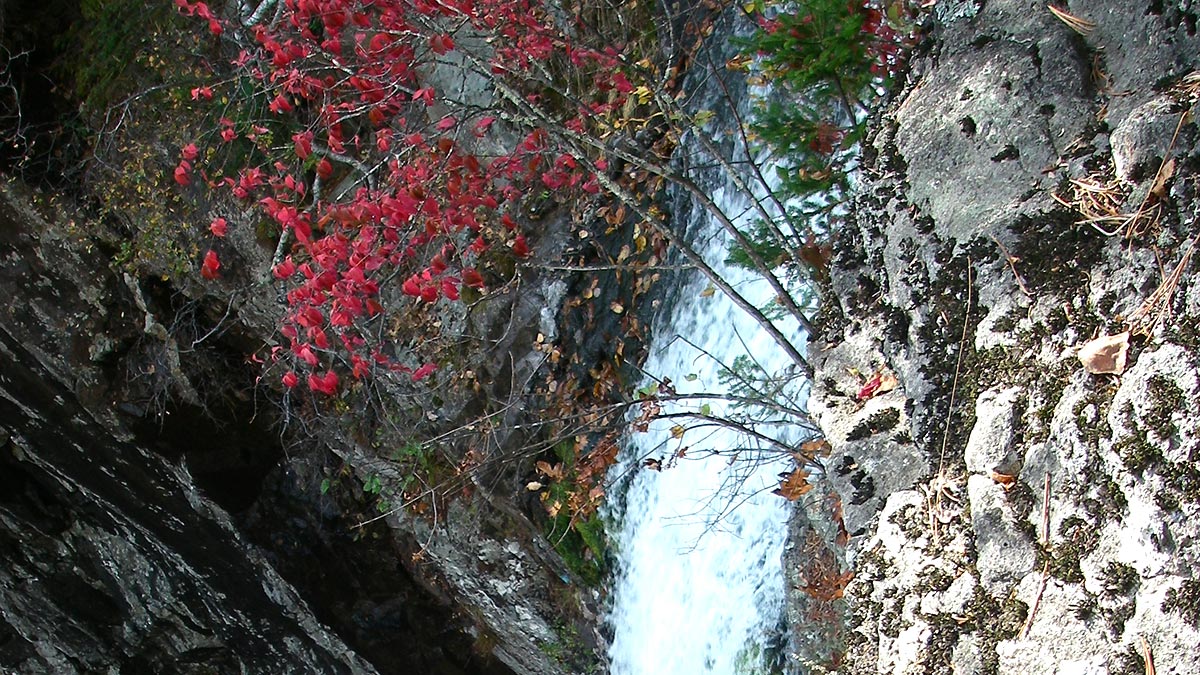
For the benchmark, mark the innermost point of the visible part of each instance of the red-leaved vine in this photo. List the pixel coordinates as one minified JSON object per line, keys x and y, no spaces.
{"x":333,"y":128}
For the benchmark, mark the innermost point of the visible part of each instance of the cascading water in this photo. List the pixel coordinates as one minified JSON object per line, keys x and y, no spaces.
{"x":700,"y":585}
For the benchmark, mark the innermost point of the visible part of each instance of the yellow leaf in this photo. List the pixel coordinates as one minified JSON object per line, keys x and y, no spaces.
{"x":708,"y":292}
{"x":617,"y":307}
{"x":677,"y":431}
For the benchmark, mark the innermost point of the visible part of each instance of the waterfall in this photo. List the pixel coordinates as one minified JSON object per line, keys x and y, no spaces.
{"x":699,"y":584}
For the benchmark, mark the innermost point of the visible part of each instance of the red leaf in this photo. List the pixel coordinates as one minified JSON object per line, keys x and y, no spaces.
{"x":290,"y":379}
{"x":519,"y":247}
{"x":440,"y":44}
{"x":208,"y":269}
{"x":303,"y":142}
{"x":423,"y":372}
{"x":285,"y":269}
{"x":326,"y":384}
{"x":483,"y":125}
{"x":305,"y":353}
{"x":218,"y":227}
{"x":324,"y":169}
{"x":472,"y":277}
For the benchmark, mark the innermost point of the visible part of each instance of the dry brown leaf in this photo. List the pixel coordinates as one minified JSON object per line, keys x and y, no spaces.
{"x":794,"y":485}
{"x":815,"y":448}
{"x":1004,"y":479}
{"x":552,"y":472}
{"x":1106,"y":354}
{"x":1159,"y":189}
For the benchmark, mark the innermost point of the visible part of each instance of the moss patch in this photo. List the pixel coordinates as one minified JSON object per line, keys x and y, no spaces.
{"x":884,"y":420}
{"x":1185,"y":601}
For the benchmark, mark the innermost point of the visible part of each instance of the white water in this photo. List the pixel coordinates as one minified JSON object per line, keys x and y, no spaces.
{"x":692,"y":596}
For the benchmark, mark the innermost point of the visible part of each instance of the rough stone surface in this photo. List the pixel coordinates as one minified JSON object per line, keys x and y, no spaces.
{"x":152,"y":521}
{"x":961,"y":273}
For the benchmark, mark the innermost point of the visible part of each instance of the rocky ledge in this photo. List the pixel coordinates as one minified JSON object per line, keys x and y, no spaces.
{"x":1003,"y":507}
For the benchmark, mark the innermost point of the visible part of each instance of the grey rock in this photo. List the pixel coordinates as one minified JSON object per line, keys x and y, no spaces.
{"x":990,"y":445}
{"x":955,"y":222}
{"x":1005,"y":554}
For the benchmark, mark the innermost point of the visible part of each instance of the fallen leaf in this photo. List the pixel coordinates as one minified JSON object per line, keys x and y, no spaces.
{"x":814,"y":448}
{"x":533,"y":486}
{"x":1004,"y":479}
{"x":794,"y":485}
{"x":1159,"y":189}
{"x":552,"y":472}
{"x":881,"y":382}
{"x":1105,"y":354}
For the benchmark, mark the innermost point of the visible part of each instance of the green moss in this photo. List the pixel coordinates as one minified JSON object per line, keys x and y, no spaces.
{"x":882,"y":421}
{"x":1056,"y":254}
{"x":1085,"y":608}
{"x":1129,"y":662}
{"x":994,"y":620}
{"x":1166,"y":398}
{"x":107,"y":47}
{"x":1062,"y":560}
{"x":1137,"y":454}
{"x":1185,"y":601}
{"x":1119,"y":578}
{"x":1091,"y":414}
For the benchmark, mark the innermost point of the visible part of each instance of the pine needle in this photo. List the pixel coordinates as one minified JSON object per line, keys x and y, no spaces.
{"x":1075,"y":23}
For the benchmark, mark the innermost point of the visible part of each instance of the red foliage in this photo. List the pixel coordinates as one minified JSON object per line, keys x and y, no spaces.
{"x":208,"y":269}
{"x":346,"y":77}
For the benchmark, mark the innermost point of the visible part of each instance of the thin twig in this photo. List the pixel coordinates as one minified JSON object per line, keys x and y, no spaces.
{"x":962,"y":347}
{"x":1157,"y":308}
{"x":1036,"y":600}
{"x":1012,"y":264}
{"x":1075,"y":23}
{"x":1157,"y":174}
{"x":1046,"y":512}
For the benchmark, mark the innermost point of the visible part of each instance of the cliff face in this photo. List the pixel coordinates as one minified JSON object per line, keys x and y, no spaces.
{"x":1006,"y":509}
{"x":153,"y":520}
{"x":112,"y":557}
{"x":165,"y":509}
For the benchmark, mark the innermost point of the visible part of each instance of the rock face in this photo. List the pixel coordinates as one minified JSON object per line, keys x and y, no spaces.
{"x":112,"y":557}
{"x":1005,"y":510}
{"x":152,"y":521}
